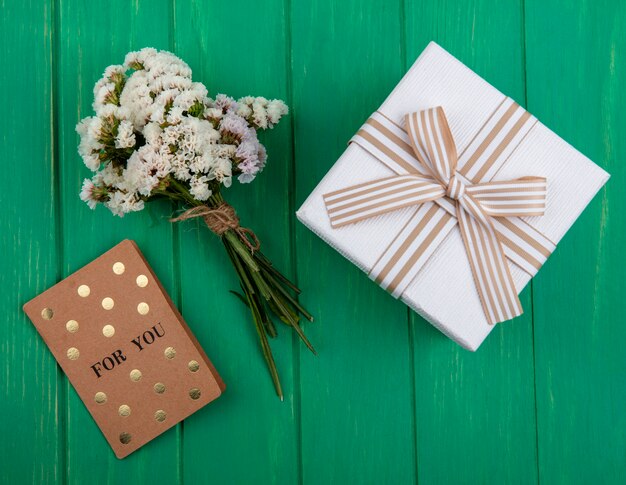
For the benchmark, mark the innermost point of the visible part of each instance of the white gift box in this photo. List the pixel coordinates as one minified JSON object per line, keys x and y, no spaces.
{"x":438,"y":79}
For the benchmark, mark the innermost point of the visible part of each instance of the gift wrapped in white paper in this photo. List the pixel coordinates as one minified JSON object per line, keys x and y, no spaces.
{"x":443,"y":291}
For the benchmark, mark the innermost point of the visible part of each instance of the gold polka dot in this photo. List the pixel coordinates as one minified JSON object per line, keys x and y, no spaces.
{"x":118,"y":268}
{"x":73,"y":353}
{"x":160,"y":415}
{"x":100,"y":397}
{"x":143,"y":308}
{"x":193,"y":366}
{"x":135,"y":375}
{"x":124,"y":410}
{"x":72,"y":326}
{"x":47,"y":313}
{"x":108,"y":330}
{"x":170,"y":352}
{"x":142,"y":281}
{"x":194,"y":393}
{"x":125,"y":438}
{"x":107,"y":303}
{"x":83,"y":290}
{"x":159,"y":388}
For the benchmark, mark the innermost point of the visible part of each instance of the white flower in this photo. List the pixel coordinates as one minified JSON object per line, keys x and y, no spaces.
{"x":243,"y":106}
{"x":181,"y":169}
{"x":138,"y":57}
{"x":89,"y":147}
{"x":213,"y":113}
{"x":259,"y":112}
{"x":111,"y":175}
{"x":157,"y":113}
{"x":131,"y":60}
{"x":199,"y":188}
{"x":221,"y":170}
{"x":200,"y":90}
{"x":152,"y":133}
{"x":201,"y":164}
{"x":144,"y":170}
{"x":114,"y":71}
{"x":225,"y":103}
{"x":122,"y":113}
{"x":101,"y":82}
{"x":235,"y":125}
{"x":91,"y":159}
{"x":103,"y":96}
{"x":223,"y":150}
{"x":137,"y":99}
{"x":169,"y":82}
{"x":83,"y":126}
{"x":248,"y":150}
{"x":155,"y":122}
{"x":249,"y":169}
{"x":187,"y":99}
{"x":175,"y":115}
{"x":111,"y":110}
{"x":121,"y":203}
{"x":276,"y":109}
{"x":94,"y":130}
{"x":86,"y":193}
{"x":262,"y":156}
{"x":125,"y":135}
{"x":246,"y":178}
{"x":206,"y":135}
{"x":160,"y":63}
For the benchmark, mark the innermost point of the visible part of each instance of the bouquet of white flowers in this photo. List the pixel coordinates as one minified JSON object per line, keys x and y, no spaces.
{"x":157,"y":134}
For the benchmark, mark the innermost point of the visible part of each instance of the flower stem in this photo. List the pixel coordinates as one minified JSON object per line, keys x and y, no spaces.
{"x":265,"y":289}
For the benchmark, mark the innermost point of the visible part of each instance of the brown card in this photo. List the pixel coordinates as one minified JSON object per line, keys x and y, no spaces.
{"x":125,"y":348}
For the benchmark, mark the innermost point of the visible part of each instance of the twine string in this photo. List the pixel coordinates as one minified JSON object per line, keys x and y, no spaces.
{"x":221,"y":219}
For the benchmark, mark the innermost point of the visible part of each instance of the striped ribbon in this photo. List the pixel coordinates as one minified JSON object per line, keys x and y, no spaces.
{"x":450,"y":189}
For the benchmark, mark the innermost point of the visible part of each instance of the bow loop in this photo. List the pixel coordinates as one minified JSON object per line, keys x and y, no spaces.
{"x":353,"y":204}
{"x":525,"y":196}
{"x":432,"y":142}
{"x":477,"y":210}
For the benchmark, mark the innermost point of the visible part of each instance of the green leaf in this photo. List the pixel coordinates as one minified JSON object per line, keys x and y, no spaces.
{"x":240,"y":297}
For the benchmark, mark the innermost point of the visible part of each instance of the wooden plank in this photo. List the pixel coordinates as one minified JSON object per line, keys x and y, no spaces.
{"x":357,"y":417}
{"x":240,"y":48}
{"x":576,"y":74}
{"x":475,"y":411}
{"x":352,"y":407}
{"x":92,"y":36}
{"x":30,"y":387}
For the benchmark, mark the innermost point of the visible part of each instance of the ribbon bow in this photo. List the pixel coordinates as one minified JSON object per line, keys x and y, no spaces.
{"x":477,"y":207}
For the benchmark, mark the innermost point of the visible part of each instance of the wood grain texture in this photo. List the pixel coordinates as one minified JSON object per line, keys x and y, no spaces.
{"x":576,"y":77}
{"x":389,"y":399}
{"x":476,"y":410}
{"x":91,"y":36}
{"x":357,"y":416}
{"x":248,"y":428}
{"x":31,"y":388}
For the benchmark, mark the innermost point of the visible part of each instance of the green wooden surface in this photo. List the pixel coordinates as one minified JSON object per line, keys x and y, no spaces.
{"x":389,"y":399}
{"x":476,"y":409}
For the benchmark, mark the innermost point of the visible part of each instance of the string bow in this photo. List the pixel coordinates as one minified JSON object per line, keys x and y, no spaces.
{"x":476,"y":208}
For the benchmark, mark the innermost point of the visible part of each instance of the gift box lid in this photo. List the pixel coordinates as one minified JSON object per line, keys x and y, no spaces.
{"x":469,"y":102}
